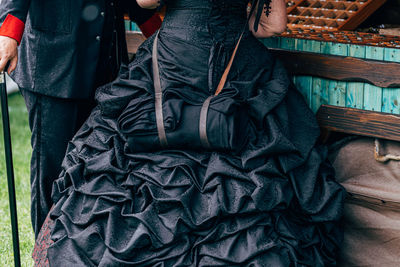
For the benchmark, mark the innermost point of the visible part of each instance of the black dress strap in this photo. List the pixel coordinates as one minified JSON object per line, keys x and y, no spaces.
{"x":158,"y":96}
{"x":203,"y":123}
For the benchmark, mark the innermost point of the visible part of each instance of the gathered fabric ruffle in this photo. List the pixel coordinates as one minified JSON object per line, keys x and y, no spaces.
{"x":275,"y":202}
{"x":184,"y":208}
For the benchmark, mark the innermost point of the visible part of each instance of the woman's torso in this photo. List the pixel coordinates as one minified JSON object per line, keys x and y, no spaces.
{"x":197,"y":39}
{"x":206,"y":21}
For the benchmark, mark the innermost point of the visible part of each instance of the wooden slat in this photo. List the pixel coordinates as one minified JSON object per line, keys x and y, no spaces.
{"x":288,"y":43}
{"x":272,"y":42}
{"x":355,"y":90}
{"x":133,"y":41}
{"x":317,"y":96}
{"x":376,"y":72}
{"x":304,"y":83}
{"x":359,"y":122}
{"x":391,"y":96}
{"x":320,"y":87}
{"x":373,"y":93}
{"x":337,"y":89}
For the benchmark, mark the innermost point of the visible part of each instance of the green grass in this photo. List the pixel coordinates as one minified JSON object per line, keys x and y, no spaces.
{"x":20,"y":135}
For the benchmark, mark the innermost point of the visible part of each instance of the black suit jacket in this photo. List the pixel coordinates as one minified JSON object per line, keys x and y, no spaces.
{"x":60,"y":48}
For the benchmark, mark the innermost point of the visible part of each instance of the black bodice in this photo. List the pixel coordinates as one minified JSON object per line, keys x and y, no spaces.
{"x":216,"y":4}
{"x":196,"y":19}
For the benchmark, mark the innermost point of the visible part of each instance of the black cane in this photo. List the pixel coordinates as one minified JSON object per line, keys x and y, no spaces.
{"x":10,"y":169}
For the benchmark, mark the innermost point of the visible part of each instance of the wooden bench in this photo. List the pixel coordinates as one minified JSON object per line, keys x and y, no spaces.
{"x":345,"y":119}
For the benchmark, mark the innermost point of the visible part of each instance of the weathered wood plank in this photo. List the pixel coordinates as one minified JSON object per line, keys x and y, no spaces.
{"x":272,"y":42}
{"x":324,"y":95}
{"x":133,"y":41}
{"x":127,"y":25}
{"x":316,"y":85}
{"x":135,"y":27}
{"x":337,"y":89}
{"x":303,"y":83}
{"x":373,"y":93}
{"x":391,"y":96}
{"x":359,"y":122}
{"x":342,"y":68}
{"x":355,"y":90}
{"x":288,"y":43}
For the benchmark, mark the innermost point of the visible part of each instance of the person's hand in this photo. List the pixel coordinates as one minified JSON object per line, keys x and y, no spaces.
{"x":8,"y":53}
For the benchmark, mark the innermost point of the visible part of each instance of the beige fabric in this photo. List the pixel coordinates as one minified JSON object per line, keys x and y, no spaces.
{"x":372,"y":209}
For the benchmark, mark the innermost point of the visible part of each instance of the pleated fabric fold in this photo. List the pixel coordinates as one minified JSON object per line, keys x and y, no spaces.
{"x":274,"y":202}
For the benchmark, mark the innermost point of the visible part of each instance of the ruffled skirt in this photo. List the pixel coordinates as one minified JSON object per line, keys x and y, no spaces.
{"x":273,"y":203}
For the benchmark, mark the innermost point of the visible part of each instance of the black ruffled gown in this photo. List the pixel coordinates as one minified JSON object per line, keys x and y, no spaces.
{"x":275,"y":202}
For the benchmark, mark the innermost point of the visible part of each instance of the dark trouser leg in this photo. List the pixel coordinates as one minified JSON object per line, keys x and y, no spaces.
{"x":53,"y":122}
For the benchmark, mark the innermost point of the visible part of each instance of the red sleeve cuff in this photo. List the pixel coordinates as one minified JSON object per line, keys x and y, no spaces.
{"x":151,"y":25}
{"x":12,"y":27}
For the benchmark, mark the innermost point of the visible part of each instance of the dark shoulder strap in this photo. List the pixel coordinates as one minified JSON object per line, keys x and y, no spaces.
{"x":228,"y":68}
{"x":158,"y":96}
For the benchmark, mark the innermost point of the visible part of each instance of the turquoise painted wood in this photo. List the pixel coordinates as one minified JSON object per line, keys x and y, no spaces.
{"x":127,"y":25}
{"x":305,"y":83}
{"x":135,"y":27}
{"x":391,"y":96}
{"x":360,"y":95}
{"x":288,"y":43}
{"x":131,"y":26}
{"x":321,"y":92}
{"x":272,"y":42}
{"x":317,"y":95}
{"x":355,"y":90}
{"x":337,"y":90}
{"x":373,"y":94}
